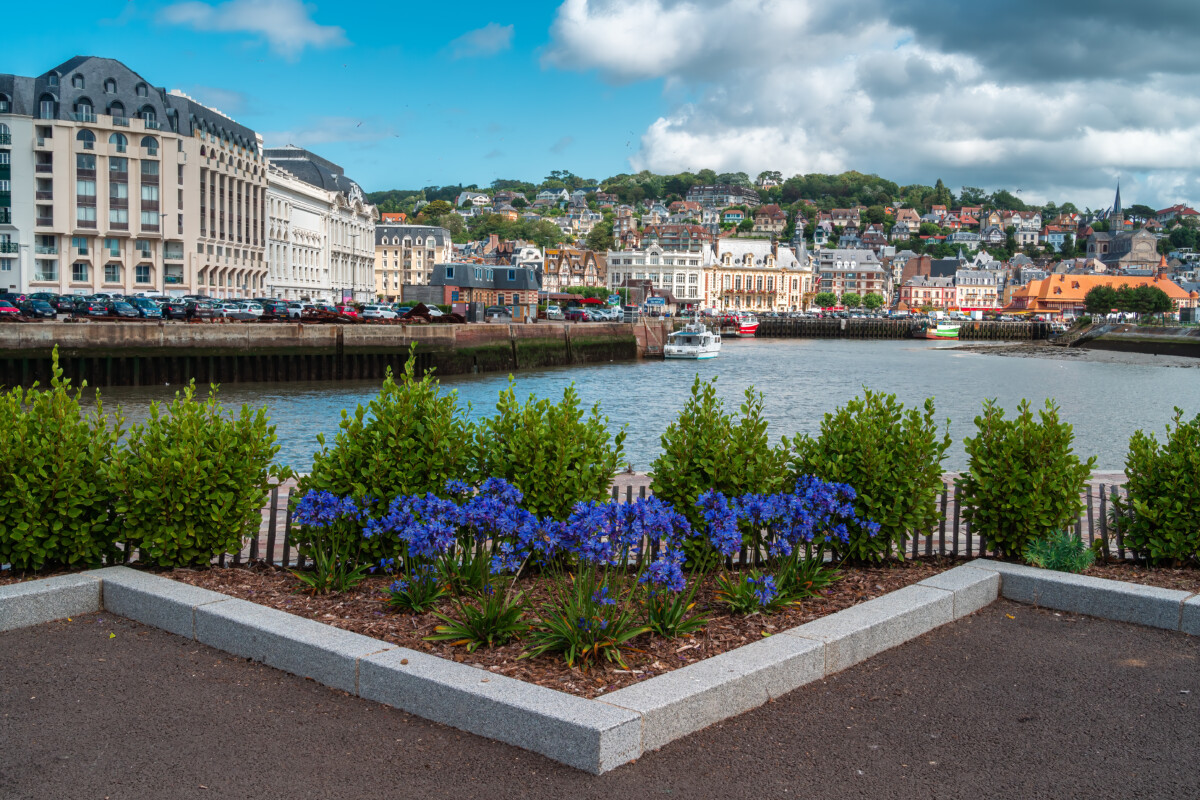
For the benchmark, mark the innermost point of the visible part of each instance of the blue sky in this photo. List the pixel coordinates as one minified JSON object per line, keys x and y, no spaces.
{"x":406,"y":94}
{"x":397,"y":96}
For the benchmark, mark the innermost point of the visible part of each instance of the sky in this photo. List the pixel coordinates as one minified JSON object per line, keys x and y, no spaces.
{"x":1052,"y":100}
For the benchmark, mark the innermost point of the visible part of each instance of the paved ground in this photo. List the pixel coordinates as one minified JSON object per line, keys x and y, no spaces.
{"x":1010,"y":703}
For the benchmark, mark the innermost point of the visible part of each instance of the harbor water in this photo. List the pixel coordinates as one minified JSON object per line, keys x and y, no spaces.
{"x":802,"y":379}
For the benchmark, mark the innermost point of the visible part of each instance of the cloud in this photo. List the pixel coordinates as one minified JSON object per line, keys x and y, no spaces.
{"x":227,"y":101}
{"x":286,"y":25}
{"x":489,"y":40}
{"x":562,"y":144}
{"x":325,"y":130}
{"x":1032,"y":98}
{"x":492,"y":154}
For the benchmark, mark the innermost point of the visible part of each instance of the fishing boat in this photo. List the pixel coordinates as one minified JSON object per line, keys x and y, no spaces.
{"x":739,"y":324}
{"x":693,"y":341}
{"x":941,"y":330}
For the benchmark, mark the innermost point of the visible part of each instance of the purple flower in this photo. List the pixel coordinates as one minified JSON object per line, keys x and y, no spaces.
{"x":721,"y":522}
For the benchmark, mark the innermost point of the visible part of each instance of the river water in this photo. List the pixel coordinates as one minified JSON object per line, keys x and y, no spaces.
{"x":1106,"y":398}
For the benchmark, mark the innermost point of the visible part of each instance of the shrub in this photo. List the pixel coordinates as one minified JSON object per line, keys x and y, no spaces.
{"x":1161,"y":515}
{"x":409,"y":440}
{"x":1062,"y":551}
{"x":190,"y":484}
{"x":55,"y":502}
{"x":1023,"y":480}
{"x":706,"y":448}
{"x":892,"y":456}
{"x":550,"y":452}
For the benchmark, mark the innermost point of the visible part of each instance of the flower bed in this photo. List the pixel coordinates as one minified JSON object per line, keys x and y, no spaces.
{"x":364,"y":610}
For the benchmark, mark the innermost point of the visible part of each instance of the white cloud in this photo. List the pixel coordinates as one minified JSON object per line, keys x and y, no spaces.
{"x":323,"y":130}
{"x":889,"y":87}
{"x":286,"y":25}
{"x":489,"y":40}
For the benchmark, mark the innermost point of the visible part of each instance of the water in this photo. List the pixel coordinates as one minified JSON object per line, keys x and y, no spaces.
{"x":802,"y":379}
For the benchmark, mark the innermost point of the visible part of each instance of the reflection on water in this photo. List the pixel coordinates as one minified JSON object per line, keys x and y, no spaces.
{"x":802,"y":379}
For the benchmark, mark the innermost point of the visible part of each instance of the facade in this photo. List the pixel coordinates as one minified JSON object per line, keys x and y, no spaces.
{"x":320,"y":230}
{"x":570,"y":266}
{"x":1062,"y":293}
{"x":680,"y":272}
{"x":976,"y":289}
{"x":117,"y":185}
{"x":723,"y":194}
{"x":920,"y":291}
{"x":757,"y":275}
{"x":514,"y":287}
{"x":770,"y":219}
{"x":405,"y":256}
{"x":856,"y":271}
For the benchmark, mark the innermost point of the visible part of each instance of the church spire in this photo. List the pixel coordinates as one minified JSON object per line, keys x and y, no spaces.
{"x":1117,"y":201}
{"x":1117,"y":217}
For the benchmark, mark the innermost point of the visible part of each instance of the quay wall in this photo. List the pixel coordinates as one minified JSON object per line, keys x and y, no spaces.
{"x":772,"y":327}
{"x":152,"y":353}
{"x":1156,"y":341}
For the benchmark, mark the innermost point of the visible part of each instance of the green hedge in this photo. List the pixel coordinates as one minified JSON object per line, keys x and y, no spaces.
{"x":1163,"y":503}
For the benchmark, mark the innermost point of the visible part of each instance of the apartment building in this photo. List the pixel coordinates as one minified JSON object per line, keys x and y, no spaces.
{"x":115,"y":184}
{"x":406,"y":255}
{"x":680,"y":272}
{"x":757,"y":275}
{"x":320,"y":234}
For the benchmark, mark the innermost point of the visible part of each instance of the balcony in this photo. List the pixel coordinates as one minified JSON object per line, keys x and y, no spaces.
{"x":85,"y":173}
{"x":43,"y":141}
{"x":172,"y":279}
{"x":152,"y":124}
{"x":84,"y":116}
{"x":5,"y":138}
{"x":44,"y":195}
{"x":46,"y":250}
{"x":43,"y":168}
{"x":44,"y":222}
{"x":9,"y":247}
{"x":122,"y":121}
{"x":85,"y":223}
{"x":5,"y":216}
{"x":120,"y":148}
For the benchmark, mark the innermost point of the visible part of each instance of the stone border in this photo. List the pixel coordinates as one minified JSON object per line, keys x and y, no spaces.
{"x":592,"y":735}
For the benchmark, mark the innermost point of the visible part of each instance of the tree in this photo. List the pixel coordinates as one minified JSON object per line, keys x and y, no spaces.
{"x":972,"y":196}
{"x":875,"y":215}
{"x":872,"y":301}
{"x":519,"y":203}
{"x":735,"y":179}
{"x":746,"y":225}
{"x":1139,"y":210}
{"x":437,"y":208}
{"x":825,"y":300}
{"x":1100,"y":299}
{"x":1007,"y":200}
{"x":941,"y":195}
{"x":770,"y":175}
{"x":851,"y":300}
{"x":706,"y":177}
{"x":1067,"y":248}
{"x":929,"y":229}
{"x":600,"y":238}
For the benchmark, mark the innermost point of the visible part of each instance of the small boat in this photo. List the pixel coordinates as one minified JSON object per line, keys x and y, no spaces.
{"x":692,"y":341}
{"x":739,"y":324}
{"x":940,"y":331}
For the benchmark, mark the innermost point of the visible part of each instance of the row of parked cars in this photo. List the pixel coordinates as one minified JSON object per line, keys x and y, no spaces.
{"x":586,"y":313}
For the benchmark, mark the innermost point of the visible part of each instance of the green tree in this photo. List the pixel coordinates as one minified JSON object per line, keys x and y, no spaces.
{"x":1100,"y":299}
{"x":872,"y":301}
{"x":875,"y":215}
{"x":746,"y":225}
{"x":600,"y":238}
{"x":941,"y":195}
{"x":437,"y":208}
{"x":825,"y":300}
{"x":851,"y":300}
{"x":972,"y":196}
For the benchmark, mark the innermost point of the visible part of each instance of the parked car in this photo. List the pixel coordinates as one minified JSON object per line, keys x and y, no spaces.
{"x":38,"y":309}
{"x":275,"y":309}
{"x":64,"y":303}
{"x":13,"y":299}
{"x":347,"y":310}
{"x":298,"y":310}
{"x":146,"y":308}
{"x":578,"y":314}
{"x":7,"y":309}
{"x":120,"y":308}
{"x":378,"y":312}
{"x":554,"y":312}
{"x":91,"y":307}
{"x":175,"y":308}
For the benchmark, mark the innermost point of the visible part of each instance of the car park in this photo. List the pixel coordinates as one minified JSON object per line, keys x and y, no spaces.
{"x":38,"y":309}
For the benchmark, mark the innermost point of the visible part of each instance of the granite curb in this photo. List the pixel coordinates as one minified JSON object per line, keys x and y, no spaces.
{"x":592,"y":735}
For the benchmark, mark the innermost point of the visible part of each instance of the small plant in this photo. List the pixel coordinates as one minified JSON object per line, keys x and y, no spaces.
{"x":190,"y":483}
{"x":1160,"y":518}
{"x":1062,"y":551}
{"x":417,"y":592}
{"x":489,"y":620}
{"x":750,"y":593}
{"x":335,"y":551}
{"x":669,"y":602}
{"x":587,"y":619}
{"x":1023,"y":480}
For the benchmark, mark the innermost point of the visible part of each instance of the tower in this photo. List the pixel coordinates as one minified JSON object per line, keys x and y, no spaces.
{"x":1116,"y":220}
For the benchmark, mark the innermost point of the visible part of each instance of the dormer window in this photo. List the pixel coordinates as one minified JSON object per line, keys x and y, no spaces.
{"x":110,"y":86}
{"x":52,"y":79}
{"x":142,"y":90}
{"x":77,"y":81}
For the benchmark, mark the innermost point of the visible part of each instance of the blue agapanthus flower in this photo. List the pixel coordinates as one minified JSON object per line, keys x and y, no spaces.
{"x":764,"y":589}
{"x":600,"y":597}
{"x":721,"y":522}
{"x":667,"y":572}
{"x":320,"y":509}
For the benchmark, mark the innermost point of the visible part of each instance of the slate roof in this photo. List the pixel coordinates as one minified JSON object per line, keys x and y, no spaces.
{"x":311,"y":168}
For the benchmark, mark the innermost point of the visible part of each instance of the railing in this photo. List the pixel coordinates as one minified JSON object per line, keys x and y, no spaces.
{"x":85,"y":173}
{"x":43,"y":168}
{"x":172,"y":279}
{"x":44,"y":195}
{"x":5,"y":138}
{"x":44,"y":222}
{"x":10,"y":247}
{"x":5,"y":216}
{"x":152,"y":124}
{"x":85,"y":223}
{"x":122,"y":121}
{"x":46,"y":250}
{"x":83,"y":116}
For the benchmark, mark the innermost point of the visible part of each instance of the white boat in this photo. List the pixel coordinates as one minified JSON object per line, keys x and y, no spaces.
{"x":692,"y":341}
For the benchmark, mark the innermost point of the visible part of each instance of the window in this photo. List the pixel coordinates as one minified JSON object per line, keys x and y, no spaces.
{"x":150,"y":218}
{"x":6,"y":264}
{"x":141,"y":273}
{"x":113,"y":246}
{"x":118,"y":164}
{"x":118,"y":191}
{"x":85,"y":161}
{"x":47,"y":108}
{"x":143,"y":248}
{"x":112,"y":273}
{"x":4,"y":156}
{"x":110,"y":86}
{"x":516,"y":299}
{"x":141,"y":90}
{"x":449,"y":273}
{"x":85,"y":188}
{"x":86,"y":214}
{"x":80,"y":244}
{"x":149,"y":167}
{"x":45,"y":270}
{"x":118,"y":216}
{"x":512,"y":274}
{"x":119,"y":140}
{"x":149,"y":193}
{"x":79,"y":272}
{"x":500,"y":299}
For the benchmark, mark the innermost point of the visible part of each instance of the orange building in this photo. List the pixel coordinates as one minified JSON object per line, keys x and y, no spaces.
{"x":1064,"y":293}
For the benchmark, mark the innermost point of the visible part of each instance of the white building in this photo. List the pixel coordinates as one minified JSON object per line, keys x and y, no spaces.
{"x":679,"y":272}
{"x":320,"y":240}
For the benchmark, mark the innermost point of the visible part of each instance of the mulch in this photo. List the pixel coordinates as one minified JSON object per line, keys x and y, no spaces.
{"x":1184,"y":578}
{"x":364,"y":610}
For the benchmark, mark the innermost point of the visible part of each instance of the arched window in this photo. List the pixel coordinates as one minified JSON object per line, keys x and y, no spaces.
{"x":119,"y":140}
{"x":110,"y":86}
{"x":141,"y":90}
{"x":77,"y":81}
{"x":84,"y":112}
{"x":151,"y":144}
{"x":149,"y":116}
{"x":5,"y":104}
{"x":4,"y":129}
{"x":47,"y":106}
{"x":116,"y":109}
{"x":87,"y":137}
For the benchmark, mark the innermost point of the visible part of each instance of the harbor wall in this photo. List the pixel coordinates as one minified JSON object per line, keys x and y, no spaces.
{"x":152,"y":353}
{"x":835,"y":328}
{"x":1156,"y":341}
